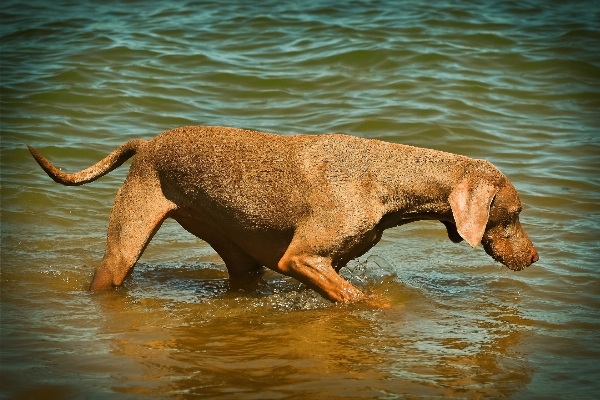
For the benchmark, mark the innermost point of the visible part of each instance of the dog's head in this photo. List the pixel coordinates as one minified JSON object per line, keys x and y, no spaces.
{"x":488,"y":213}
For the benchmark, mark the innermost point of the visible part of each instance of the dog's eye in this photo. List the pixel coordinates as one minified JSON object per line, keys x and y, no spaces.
{"x":509,"y":227}
{"x":516,"y":211}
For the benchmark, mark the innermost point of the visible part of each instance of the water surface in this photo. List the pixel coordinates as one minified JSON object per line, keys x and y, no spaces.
{"x":516,"y":83}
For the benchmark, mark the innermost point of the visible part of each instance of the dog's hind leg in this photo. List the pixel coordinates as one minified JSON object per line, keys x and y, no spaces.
{"x":138,"y":212}
{"x":239,"y":263}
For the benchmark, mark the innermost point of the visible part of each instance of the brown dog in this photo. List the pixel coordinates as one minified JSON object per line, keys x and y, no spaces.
{"x":300,"y":205}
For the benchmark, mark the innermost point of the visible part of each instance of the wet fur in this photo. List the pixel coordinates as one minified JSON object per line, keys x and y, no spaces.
{"x":300,"y":205}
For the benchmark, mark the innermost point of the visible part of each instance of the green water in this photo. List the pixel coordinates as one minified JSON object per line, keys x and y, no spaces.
{"x":516,"y":83}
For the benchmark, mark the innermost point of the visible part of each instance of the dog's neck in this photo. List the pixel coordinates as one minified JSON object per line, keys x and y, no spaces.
{"x":425,"y":196}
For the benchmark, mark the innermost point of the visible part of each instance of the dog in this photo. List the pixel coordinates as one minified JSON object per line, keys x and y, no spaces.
{"x":302,"y":205}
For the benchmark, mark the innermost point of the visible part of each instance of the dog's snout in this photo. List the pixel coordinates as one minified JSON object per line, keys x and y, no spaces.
{"x":534,"y":256}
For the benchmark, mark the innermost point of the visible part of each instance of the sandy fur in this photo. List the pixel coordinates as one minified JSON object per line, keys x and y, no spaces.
{"x":301,"y":205}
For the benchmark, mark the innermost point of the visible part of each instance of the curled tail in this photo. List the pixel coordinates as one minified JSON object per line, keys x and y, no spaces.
{"x":101,"y":168}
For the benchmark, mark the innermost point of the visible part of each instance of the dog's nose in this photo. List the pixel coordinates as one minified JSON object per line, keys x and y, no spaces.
{"x":534,"y":256}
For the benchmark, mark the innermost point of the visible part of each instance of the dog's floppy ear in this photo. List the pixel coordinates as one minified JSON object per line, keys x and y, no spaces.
{"x":470,"y":203}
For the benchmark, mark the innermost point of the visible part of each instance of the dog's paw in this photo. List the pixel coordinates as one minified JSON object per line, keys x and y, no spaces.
{"x":376,"y":301}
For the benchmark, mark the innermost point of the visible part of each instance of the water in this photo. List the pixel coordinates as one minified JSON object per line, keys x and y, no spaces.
{"x":516,"y":83}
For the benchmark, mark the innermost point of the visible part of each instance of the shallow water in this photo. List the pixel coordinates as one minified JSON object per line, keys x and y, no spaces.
{"x":516,"y":83}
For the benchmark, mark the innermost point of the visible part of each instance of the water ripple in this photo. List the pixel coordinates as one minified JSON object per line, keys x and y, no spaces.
{"x":516,"y":83}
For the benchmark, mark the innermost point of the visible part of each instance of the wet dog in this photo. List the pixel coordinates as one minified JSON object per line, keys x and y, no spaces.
{"x":300,"y":205}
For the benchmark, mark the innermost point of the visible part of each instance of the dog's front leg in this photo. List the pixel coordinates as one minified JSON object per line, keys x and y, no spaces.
{"x":317,"y":273}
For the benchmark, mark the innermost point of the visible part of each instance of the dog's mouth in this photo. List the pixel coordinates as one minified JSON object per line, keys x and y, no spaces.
{"x":522,"y":263}
{"x":513,"y":260}
{"x":517,"y":267}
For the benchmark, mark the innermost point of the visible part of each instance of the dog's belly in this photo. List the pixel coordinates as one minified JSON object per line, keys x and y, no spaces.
{"x":265,"y":244}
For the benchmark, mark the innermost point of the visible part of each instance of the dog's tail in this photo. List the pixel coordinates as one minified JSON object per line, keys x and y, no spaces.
{"x":101,"y":168}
